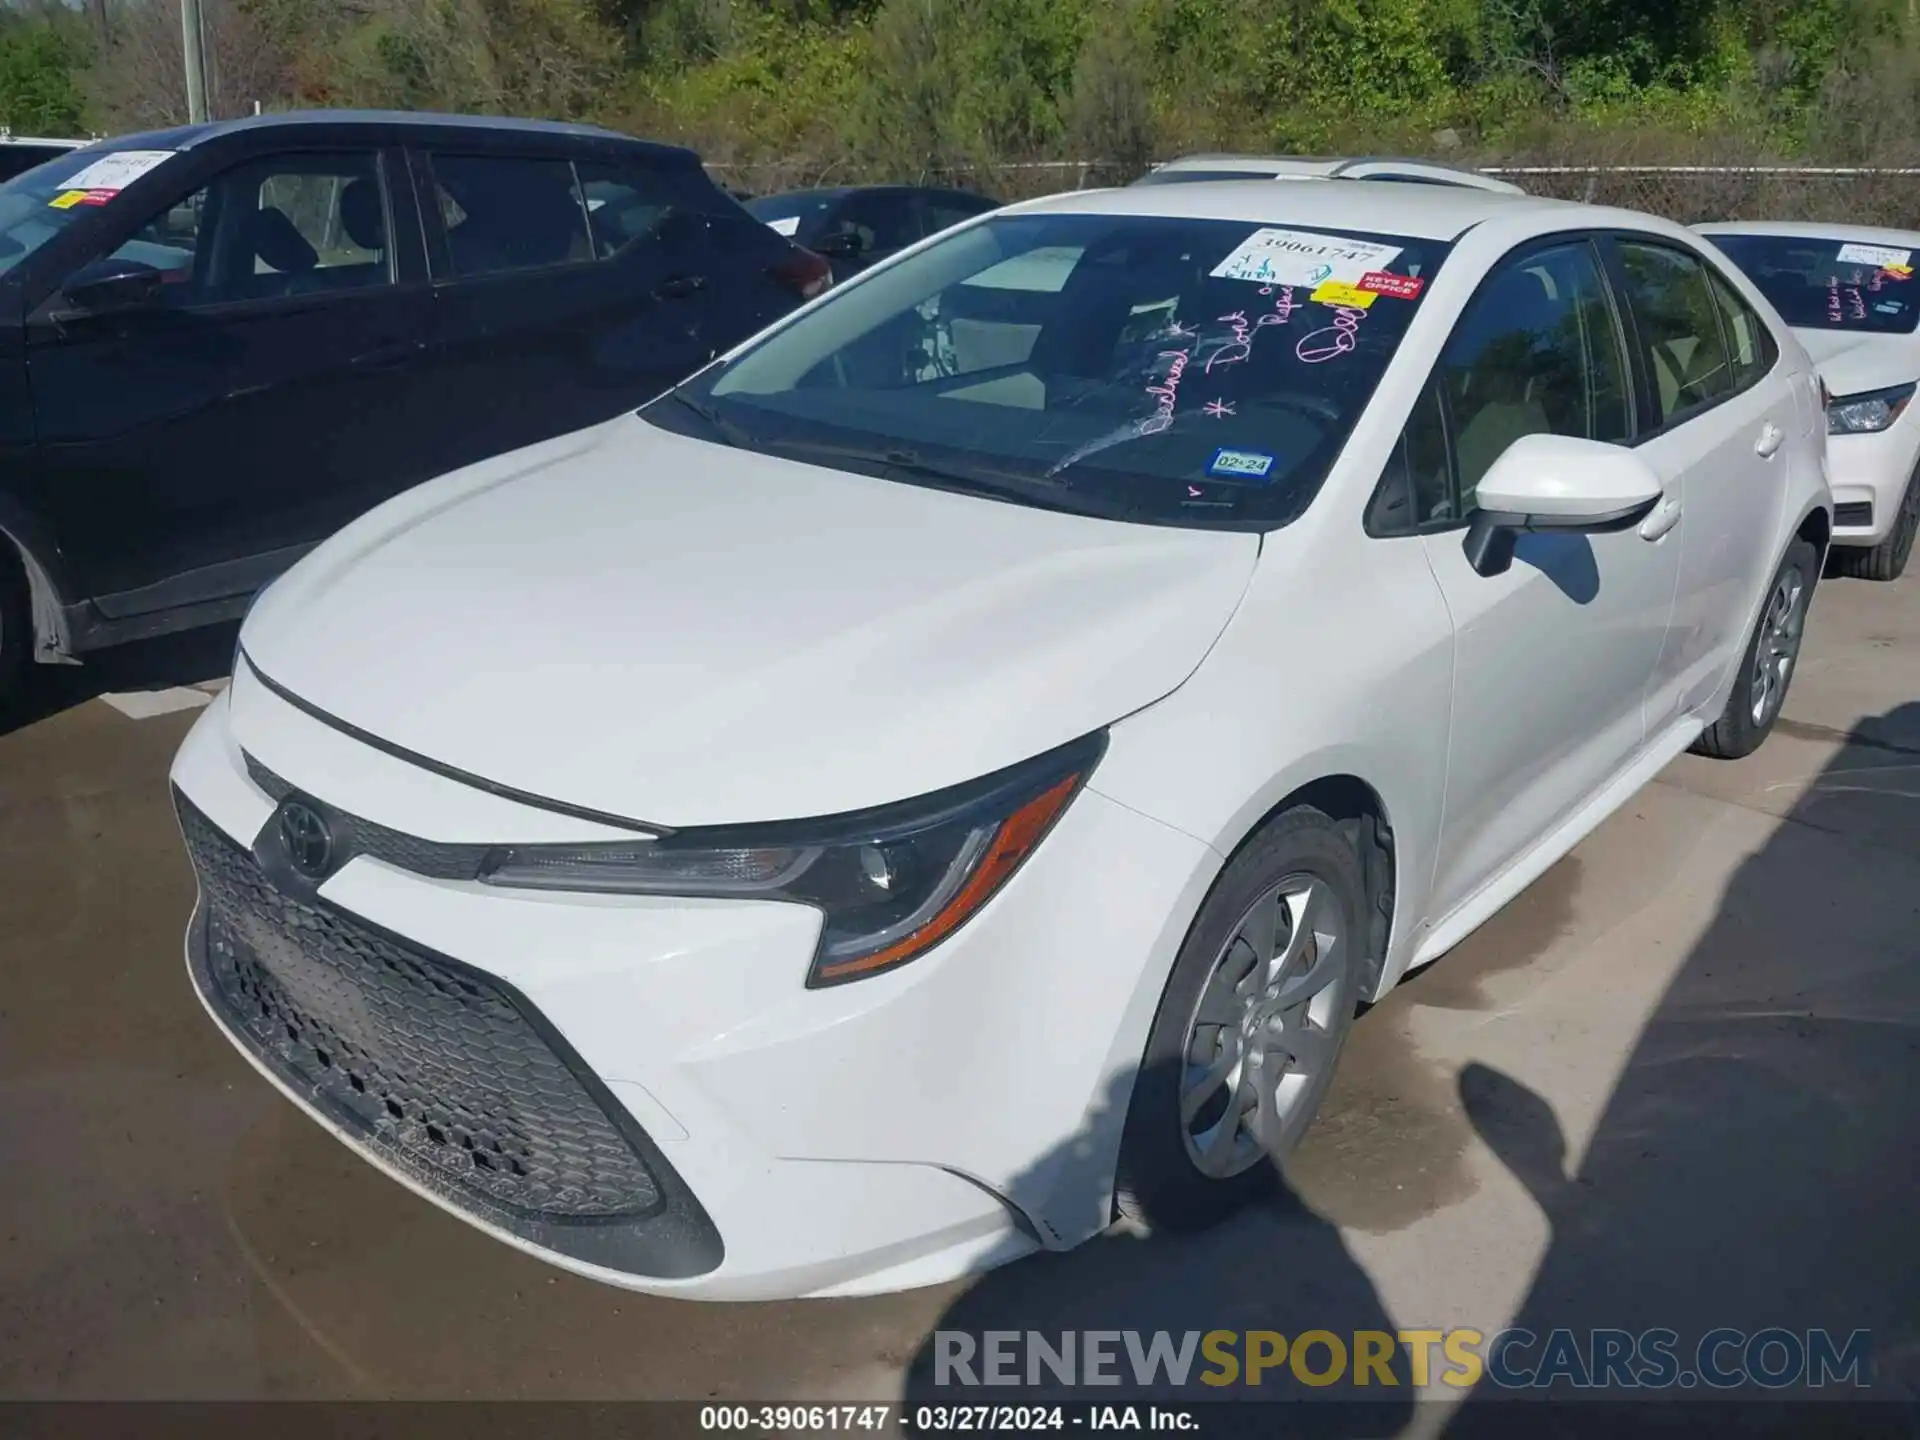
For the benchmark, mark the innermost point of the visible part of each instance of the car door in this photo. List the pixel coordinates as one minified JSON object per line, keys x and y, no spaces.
{"x":568,"y":291}
{"x":1722,"y":424}
{"x":1553,"y":657}
{"x":190,"y":448}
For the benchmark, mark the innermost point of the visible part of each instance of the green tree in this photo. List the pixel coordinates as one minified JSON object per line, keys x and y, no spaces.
{"x":41,"y":59}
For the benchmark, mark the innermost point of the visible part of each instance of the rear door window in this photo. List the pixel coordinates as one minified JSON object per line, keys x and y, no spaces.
{"x":1679,"y":322}
{"x":1748,"y":341}
{"x":504,"y":213}
{"x":628,"y":203}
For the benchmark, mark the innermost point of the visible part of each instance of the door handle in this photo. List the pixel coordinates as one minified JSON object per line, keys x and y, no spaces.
{"x":1660,"y":521}
{"x":679,"y":287}
{"x":1771,"y":438}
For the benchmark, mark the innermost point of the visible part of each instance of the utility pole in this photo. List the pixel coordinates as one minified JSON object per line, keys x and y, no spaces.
{"x":193,"y":38}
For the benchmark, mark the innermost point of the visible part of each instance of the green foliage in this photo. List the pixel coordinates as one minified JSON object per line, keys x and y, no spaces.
{"x":872,"y":88}
{"x":40,"y":63}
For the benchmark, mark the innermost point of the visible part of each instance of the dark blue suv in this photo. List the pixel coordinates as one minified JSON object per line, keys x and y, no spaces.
{"x":219,"y":344}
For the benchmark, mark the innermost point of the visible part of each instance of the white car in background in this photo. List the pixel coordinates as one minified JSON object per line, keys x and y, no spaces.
{"x":951,"y":769}
{"x":1851,"y":295}
{"x":1190,"y":168}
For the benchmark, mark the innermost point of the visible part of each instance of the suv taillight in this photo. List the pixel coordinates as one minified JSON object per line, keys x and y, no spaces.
{"x":805,"y":273}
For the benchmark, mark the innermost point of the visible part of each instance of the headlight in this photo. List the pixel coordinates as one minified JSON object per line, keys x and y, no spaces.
{"x":891,"y":882}
{"x":1865,"y":414}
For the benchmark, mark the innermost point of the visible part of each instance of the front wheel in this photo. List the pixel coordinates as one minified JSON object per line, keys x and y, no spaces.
{"x":1253,"y":1018}
{"x":1773,"y":650}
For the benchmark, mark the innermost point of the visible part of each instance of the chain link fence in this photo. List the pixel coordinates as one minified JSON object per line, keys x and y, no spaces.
{"x":1689,"y":194}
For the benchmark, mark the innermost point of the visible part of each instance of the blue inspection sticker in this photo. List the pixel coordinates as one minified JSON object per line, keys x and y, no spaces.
{"x":1249,"y":467}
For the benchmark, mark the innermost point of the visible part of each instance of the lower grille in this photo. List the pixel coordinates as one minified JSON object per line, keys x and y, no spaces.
{"x":1854,"y":514}
{"x":444,"y":1071}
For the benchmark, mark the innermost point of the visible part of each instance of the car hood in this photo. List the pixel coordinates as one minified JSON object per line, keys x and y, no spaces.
{"x":681,"y":633}
{"x":1856,"y":364}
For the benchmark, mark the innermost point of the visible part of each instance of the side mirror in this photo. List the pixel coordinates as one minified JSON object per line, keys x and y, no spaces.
{"x":112,"y":285}
{"x":1556,"y":482}
{"x":843,"y":245}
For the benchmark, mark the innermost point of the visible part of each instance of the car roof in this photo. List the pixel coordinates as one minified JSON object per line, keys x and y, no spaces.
{"x":1427,"y":212}
{"x":1364,"y":167}
{"x":184,"y":137}
{"x":1813,"y":230}
{"x":49,"y":140}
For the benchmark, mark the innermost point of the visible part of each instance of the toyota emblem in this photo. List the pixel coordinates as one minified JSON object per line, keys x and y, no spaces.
{"x":309,"y":843}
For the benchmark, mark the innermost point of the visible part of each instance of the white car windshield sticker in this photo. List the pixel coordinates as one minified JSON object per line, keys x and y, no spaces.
{"x":1873,"y":255}
{"x":1298,"y":257}
{"x":118,"y":170}
{"x":785,"y":225}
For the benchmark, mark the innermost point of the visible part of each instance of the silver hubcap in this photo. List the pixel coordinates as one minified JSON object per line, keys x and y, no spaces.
{"x":1779,"y":644}
{"x":1261,"y":1043}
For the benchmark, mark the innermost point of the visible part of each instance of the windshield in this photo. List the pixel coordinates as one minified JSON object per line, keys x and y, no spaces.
{"x":38,"y":205}
{"x":1830,"y":284}
{"x":789,"y":214}
{"x":1189,"y":372}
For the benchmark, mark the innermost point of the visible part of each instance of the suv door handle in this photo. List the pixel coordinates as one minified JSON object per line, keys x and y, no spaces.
{"x":1771,"y":438}
{"x":1660,"y":521}
{"x":679,"y":287}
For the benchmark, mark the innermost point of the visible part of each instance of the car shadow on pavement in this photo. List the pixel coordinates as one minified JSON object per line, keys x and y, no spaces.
{"x":1756,"y":1167}
{"x":190,"y":657}
{"x":1758,"y":1163}
{"x":1277,"y":1266}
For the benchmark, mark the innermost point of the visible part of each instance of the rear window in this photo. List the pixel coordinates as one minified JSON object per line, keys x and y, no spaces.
{"x":791,"y":215}
{"x":1192,"y":372}
{"x":1829,"y":283}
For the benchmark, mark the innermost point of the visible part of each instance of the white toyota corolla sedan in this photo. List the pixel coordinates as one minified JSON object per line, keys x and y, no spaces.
{"x":1851,"y":296}
{"x":949,"y":771}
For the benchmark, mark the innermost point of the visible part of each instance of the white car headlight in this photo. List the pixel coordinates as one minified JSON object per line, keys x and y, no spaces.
{"x":1868,"y":413}
{"x":892,"y":882}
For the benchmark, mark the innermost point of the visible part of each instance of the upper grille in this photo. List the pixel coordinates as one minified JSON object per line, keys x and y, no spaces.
{"x":435,"y":1064}
{"x":355,"y":836}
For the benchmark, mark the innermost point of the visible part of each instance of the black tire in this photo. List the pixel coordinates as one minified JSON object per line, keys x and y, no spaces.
{"x":16,"y":626}
{"x":1739,"y":731}
{"x":1159,"y":1182}
{"x":1888,"y":559}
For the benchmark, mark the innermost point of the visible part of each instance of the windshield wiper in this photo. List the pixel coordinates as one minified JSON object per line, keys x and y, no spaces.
{"x":725,"y":430}
{"x":1038,"y":490}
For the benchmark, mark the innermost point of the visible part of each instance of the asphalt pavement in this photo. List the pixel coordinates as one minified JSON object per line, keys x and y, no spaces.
{"x":1672,"y":1084}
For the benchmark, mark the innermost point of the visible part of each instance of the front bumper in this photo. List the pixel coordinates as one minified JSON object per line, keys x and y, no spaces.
{"x":689,"y":1118}
{"x":1870,"y":474}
